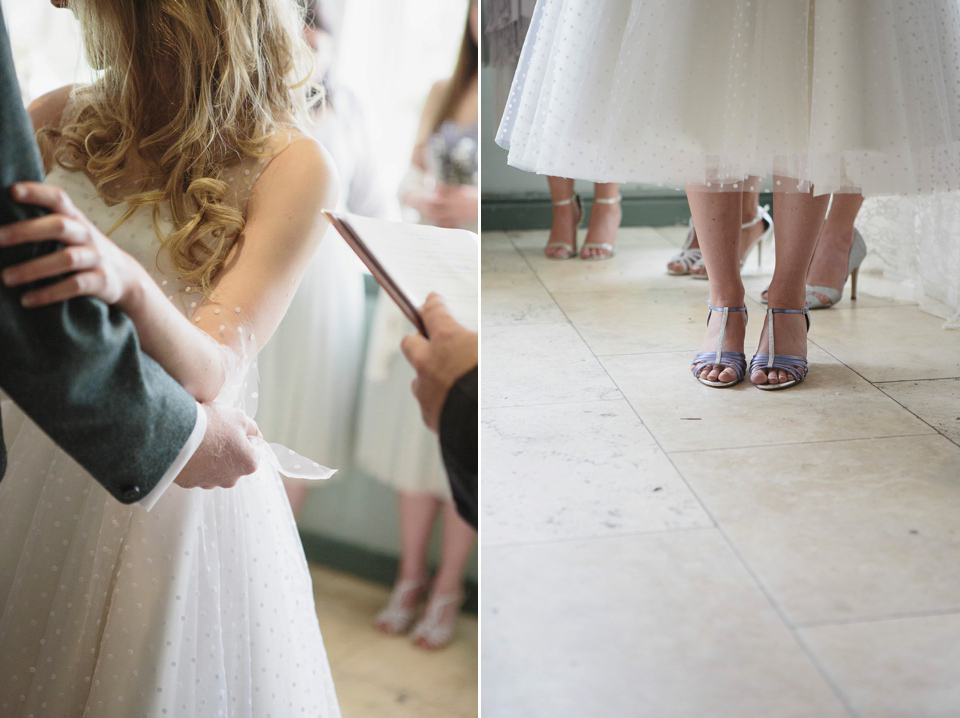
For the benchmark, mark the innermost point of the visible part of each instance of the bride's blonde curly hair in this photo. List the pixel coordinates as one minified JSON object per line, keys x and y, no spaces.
{"x":188,"y":89}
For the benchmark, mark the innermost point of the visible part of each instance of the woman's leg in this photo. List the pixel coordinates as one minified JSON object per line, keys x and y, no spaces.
{"x":747,"y":236}
{"x":799,"y":219}
{"x":458,"y":540}
{"x":716,"y":216}
{"x":418,"y":512}
{"x":830,"y":262}
{"x":566,"y":217}
{"x":604,"y":221}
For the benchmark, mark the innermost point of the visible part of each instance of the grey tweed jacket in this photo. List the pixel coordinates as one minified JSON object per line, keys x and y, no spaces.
{"x":76,"y":368}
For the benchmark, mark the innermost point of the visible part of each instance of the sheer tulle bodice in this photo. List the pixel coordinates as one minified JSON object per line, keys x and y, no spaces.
{"x":202,"y":606}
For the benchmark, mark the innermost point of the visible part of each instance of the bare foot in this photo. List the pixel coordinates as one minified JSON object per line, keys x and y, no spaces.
{"x":604,"y":223}
{"x":732,"y":341}
{"x":790,"y":337}
{"x":564,"y":231}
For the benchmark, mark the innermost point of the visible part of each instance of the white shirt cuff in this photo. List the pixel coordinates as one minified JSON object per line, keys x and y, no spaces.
{"x":186,"y":453}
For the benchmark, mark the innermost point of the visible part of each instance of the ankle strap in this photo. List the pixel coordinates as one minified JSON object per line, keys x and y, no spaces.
{"x":608,"y":200}
{"x":729,"y":309}
{"x":760,"y":216}
{"x":565,"y":202}
{"x":788,"y":311}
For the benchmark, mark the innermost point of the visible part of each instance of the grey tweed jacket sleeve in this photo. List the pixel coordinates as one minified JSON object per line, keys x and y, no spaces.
{"x":76,"y":367}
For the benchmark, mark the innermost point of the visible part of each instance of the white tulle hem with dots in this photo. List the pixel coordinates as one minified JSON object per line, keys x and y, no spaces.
{"x":843,"y":95}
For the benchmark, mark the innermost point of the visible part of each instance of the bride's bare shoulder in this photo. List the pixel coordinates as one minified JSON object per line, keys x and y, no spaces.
{"x":47,"y":110}
{"x":296,"y":164}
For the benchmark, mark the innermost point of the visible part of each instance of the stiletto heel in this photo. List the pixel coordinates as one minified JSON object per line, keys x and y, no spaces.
{"x":571,"y":252}
{"x":605,"y":246}
{"x":795,"y":366}
{"x":858,"y":250}
{"x":728,"y":359}
{"x":763,"y":215}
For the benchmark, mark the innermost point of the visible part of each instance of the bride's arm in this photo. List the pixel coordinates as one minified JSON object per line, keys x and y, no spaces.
{"x":250,"y":295}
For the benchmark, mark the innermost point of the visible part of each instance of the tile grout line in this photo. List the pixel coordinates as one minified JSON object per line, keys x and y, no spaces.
{"x":881,"y":618}
{"x":814,"y":660}
{"x":803,"y":443}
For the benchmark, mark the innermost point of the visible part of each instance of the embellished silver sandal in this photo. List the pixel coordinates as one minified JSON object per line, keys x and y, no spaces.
{"x":795,"y":366}
{"x":605,"y":246}
{"x":688,"y":256}
{"x":731,"y":360}
{"x":571,"y":252}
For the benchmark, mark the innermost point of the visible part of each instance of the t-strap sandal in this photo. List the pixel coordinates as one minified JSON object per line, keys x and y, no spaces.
{"x":731,"y":360}
{"x":795,"y":366}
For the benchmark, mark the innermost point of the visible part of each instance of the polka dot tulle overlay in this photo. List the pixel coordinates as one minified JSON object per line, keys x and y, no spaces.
{"x":202,"y":606}
{"x":846,"y":95}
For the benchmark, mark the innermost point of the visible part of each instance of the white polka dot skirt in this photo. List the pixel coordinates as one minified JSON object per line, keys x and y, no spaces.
{"x":843,"y":95}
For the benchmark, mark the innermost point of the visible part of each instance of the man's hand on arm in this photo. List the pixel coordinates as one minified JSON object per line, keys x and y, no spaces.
{"x":225,"y":453}
{"x":439,"y":361}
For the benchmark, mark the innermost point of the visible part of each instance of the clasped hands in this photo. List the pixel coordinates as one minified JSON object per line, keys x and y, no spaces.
{"x":92,"y":265}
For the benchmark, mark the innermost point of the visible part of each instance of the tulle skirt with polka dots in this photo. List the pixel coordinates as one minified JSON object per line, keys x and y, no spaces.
{"x":202,"y":606}
{"x":843,"y":95}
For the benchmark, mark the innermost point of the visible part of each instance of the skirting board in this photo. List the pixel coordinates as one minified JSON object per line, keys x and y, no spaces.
{"x":364,"y":563}
{"x":505,"y":214}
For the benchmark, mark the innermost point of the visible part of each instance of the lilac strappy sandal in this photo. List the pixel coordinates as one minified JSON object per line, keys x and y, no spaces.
{"x":795,"y":366}
{"x":732,"y":360}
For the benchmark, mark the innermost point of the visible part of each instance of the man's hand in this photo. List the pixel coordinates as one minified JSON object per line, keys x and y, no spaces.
{"x":439,"y":361}
{"x":225,"y":454}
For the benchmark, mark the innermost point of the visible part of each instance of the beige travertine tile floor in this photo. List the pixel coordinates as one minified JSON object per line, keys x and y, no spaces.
{"x":656,"y":548}
{"x":379,"y":676}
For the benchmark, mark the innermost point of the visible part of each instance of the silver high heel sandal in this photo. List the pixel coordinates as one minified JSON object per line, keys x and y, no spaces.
{"x":431,"y":632}
{"x":395,"y":617}
{"x":858,"y":250}
{"x":725,"y":358}
{"x":571,"y":252}
{"x":605,"y":246}
{"x":687,"y":257}
{"x":795,"y":366}
{"x":763,"y":215}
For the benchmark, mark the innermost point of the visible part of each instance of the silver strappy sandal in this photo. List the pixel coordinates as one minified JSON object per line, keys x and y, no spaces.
{"x":571,"y":252}
{"x":605,"y":246}
{"x":763,"y":215}
{"x":688,"y":256}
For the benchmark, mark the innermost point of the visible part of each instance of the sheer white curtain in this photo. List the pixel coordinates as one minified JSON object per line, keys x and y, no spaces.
{"x":390,"y":53}
{"x":46,"y":46}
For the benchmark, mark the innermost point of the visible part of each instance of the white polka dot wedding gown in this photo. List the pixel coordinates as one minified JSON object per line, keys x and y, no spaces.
{"x":849,"y":95}
{"x":202,"y":606}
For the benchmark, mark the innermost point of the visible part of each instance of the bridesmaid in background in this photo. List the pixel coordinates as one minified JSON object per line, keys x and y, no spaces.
{"x":310,"y":370}
{"x":393,"y":445}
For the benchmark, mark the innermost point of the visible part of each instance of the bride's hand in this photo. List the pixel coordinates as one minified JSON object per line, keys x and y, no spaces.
{"x":95,"y":266}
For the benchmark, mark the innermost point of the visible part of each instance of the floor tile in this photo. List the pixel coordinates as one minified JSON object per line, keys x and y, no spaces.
{"x":905,"y":668}
{"x":937,"y":402}
{"x":540,"y":364}
{"x":517,"y":298}
{"x":638,"y":320}
{"x":578,"y":470}
{"x":641,"y":255}
{"x":365,"y":699}
{"x":894,"y":344}
{"x":667,"y":625}
{"x":684,"y":415}
{"x":839,"y":531}
{"x":446,"y":679}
